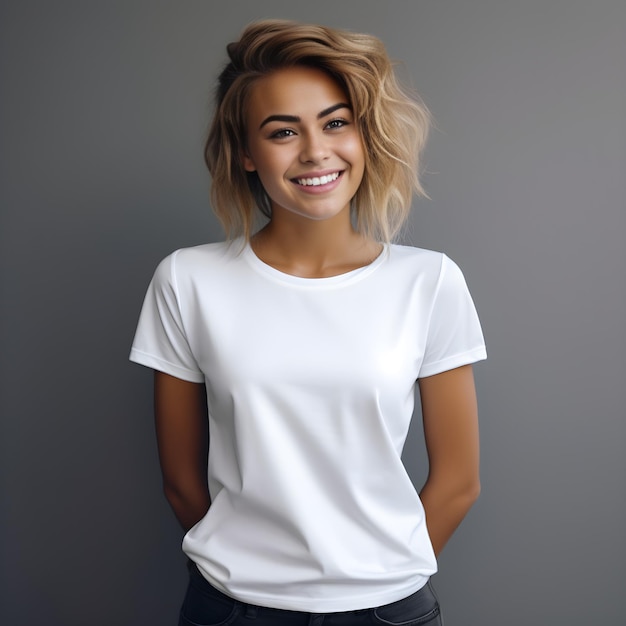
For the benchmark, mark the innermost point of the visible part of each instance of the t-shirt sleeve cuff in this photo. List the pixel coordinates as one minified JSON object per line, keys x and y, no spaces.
{"x":457,"y":360}
{"x":192,"y":376}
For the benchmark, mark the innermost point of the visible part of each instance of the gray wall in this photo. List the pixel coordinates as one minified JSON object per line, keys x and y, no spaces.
{"x":104,"y":106}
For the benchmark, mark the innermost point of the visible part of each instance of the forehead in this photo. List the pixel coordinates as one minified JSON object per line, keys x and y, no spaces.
{"x":298,"y":91}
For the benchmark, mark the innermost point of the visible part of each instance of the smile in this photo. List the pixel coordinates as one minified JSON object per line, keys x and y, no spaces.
{"x":317,"y":181}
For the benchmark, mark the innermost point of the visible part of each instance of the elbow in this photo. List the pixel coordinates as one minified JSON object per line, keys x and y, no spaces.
{"x":175,"y":492}
{"x":470,"y":485}
{"x":473,"y":491}
{"x":171,"y":493}
{"x":470,"y":492}
{"x":466,"y":492}
{"x":189,"y":506}
{"x":459,"y":488}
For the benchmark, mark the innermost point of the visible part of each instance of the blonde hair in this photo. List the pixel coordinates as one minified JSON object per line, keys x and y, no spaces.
{"x":393,"y":126}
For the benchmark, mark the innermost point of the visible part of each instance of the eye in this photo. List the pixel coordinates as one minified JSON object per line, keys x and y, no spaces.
{"x":282,"y":133}
{"x":337,"y":123}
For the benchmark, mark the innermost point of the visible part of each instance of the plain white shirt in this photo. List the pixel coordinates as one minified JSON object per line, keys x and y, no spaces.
{"x":310,"y":386}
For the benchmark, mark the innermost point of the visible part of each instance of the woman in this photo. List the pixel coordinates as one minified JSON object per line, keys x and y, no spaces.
{"x":305,"y":338}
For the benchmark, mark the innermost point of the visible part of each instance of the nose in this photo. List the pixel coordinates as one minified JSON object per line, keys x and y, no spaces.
{"x":315,"y":148}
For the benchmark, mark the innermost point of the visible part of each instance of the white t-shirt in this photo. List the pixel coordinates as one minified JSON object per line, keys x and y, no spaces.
{"x":310,"y":386}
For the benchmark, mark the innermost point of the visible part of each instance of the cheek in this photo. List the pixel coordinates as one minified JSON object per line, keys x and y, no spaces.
{"x":271,"y":172}
{"x":273,"y":164}
{"x":356,"y":151}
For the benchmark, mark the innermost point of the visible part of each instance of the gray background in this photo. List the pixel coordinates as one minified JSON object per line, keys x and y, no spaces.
{"x":104,"y":109}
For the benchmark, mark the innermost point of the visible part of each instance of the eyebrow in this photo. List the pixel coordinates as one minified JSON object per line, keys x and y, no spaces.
{"x":295,"y":119}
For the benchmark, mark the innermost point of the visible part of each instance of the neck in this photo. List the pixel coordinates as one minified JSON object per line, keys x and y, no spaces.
{"x":313,"y":249}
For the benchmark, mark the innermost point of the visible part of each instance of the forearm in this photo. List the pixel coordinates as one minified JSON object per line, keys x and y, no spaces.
{"x":181,"y":428}
{"x":451,"y":430}
{"x":446,"y":504}
{"x":189,"y":504}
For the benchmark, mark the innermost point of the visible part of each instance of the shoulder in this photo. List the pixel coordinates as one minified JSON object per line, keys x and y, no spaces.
{"x":414,"y":255}
{"x":197,"y":260}
{"x":204,"y":255}
{"x":417,"y":261}
{"x":429,"y":269}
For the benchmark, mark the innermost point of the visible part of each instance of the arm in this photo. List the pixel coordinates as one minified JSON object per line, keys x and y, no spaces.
{"x":181,"y":429}
{"x":451,"y":432}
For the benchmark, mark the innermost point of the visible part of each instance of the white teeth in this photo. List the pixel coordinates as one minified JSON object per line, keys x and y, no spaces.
{"x":322,"y":180}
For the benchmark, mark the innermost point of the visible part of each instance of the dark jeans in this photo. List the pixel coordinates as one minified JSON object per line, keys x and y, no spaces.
{"x":206,"y":606}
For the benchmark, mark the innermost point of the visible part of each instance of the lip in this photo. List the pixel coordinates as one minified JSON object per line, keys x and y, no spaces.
{"x":317,"y":189}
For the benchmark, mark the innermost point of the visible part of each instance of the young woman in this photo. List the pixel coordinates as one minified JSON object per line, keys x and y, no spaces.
{"x":303,"y":341}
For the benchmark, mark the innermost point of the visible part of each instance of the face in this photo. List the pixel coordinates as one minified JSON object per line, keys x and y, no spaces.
{"x":303,"y":143}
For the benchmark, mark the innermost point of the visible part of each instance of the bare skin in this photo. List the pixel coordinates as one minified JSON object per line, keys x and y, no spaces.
{"x":181,"y":428}
{"x":313,"y":254}
{"x":450,"y":418}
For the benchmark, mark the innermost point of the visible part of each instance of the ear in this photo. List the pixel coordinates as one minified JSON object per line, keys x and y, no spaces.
{"x":248,"y":163}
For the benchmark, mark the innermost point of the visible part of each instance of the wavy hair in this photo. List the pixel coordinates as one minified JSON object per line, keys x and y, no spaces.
{"x":393,"y":124}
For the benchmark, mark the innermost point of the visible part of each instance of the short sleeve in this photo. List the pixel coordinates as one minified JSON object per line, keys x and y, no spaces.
{"x":454,"y":335}
{"x":160,"y":340}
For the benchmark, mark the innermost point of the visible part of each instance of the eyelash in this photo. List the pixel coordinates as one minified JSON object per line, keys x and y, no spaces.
{"x":340,"y":120}
{"x":281,"y":133}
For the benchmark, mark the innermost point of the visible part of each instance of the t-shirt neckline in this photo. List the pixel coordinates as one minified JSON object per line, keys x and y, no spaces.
{"x":339,"y":279}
